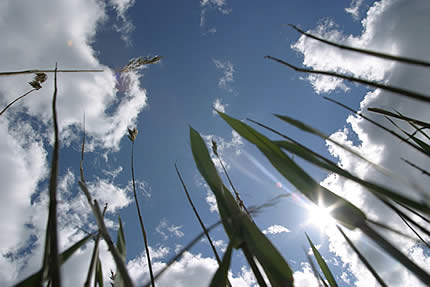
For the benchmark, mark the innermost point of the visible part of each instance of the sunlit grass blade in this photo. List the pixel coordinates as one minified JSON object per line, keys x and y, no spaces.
{"x":122,"y":250}
{"x":364,"y":51}
{"x":239,"y":228}
{"x":319,"y":278}
{"x":377,"y":124}
{"x":363,"y":259}
{"x":34,"y":279}
{"x":396,"y":90}
{"x":220,"y":277}
{"x":323,"y":265}
{"x":342,"y":210}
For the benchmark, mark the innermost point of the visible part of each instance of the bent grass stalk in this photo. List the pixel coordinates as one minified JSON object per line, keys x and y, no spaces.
{"x":132,"y":136}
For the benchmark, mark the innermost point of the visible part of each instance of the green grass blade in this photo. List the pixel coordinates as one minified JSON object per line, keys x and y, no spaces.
{"x":122,"y":250}
{"x":394,"y":115}
{"x":363,"y":259}
{"x":343,"y":210}
{"x":239,"y":228}
{"x":35,"y":278}
{"x":221,"y":275}
{"x":396,"y":90}
{"x":98,"y":279}
{"x":364,"y":51}
{"x":323,"y":265}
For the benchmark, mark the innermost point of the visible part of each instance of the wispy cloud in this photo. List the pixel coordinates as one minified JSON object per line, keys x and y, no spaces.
{"x":164,"y":229}
{"x":227,"y":69}
{"x":354,"y":8}
{"x":217,"y":5}
{"x":218,"y":106}
{"x":125,"y":27}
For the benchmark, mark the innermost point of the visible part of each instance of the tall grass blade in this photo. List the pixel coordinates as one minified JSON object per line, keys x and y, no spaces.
{"x":34,"y":71}
{"x":364,"y":51}
{"x":240,"y":229}
{"x":323,"y":265}
{"x":396,"y":254}
{"x":363,"y":259}
{"x":132,"y":136}
{"x":394,"y":115}
{"x":320,"y":279}
{"x":122,"y":250}
{"x":34,"y":279}
{"x":396,"y":90}
{"x":98,"y":279}
{"x":377,"y":124}
{"x":343,"y":210}
{"x":220,"y":277}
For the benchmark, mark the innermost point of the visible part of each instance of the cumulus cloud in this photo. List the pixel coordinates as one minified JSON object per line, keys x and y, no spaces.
{"x":276,"y":229}
{"x":395,"y":27}
{"x":305,"y":277}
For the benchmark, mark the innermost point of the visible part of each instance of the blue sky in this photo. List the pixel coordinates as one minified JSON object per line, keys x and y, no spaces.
{"x":213,"y":55}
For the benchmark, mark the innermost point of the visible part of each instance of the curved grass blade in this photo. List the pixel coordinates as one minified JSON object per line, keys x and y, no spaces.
{"x":377,"y":124}
{"x":343,"y":210}
{"x":17,"y":99}
{"x":35,"y":278}
{"x":363,"y":259}
{"x":323,"y":265}
{"x":394,"y":115}
{"x":396,"y":90}
{"x":364,"y":51}
{"x":240,"y":229}
{"x":221,"y":275}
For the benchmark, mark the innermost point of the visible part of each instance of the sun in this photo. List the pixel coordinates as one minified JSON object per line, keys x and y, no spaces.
{"x":319,"y":216}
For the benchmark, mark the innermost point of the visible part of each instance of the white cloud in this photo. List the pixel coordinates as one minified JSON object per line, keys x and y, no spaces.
{"x":227,"y":70}
{"x":354,"y":8}
{"x":276,"y":229}
{"x":164,"y":228}
{"x":218,"y":106}
{"x":218,"y":5}
{"x":125,"y":27}
{"x":305,"y":278}
{"x":105,"y":191}
{"x":396,"y":28}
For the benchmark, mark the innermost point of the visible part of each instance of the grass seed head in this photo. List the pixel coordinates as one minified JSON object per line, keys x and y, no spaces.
{"x":132,"y":134}
{"x":38,"y":79}
{"x":214,"y":147}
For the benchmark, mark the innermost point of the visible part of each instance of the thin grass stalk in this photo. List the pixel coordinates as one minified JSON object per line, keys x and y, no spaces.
{"x":250,"y":258}
{"x":47,"y":71}
{"x":405,"y":217}
{"x":236,"y":193}
{"x":387,"y":113}
{"x":100,"y":222}
{"x":414,"y":231}
{"x":54,"y":266}
{"x":391,"y":229}
{"x":396,"y":254}
{"x":363,"y":259}
{"x":94,"y":255}
{"x":364,"y":51}
{"x":17,"y":99}
{"x":413,"y":211}
{"x":218,"y":259}
{"x":145,"y":239}
{"x":378,"y":125}
{"x":396,"y":90}
{"x":183,"y":250}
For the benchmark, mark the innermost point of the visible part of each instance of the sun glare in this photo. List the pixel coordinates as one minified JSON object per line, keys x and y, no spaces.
{"x":319,"y":216}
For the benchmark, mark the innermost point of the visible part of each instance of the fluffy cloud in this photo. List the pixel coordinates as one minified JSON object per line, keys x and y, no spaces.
{"x":218,"y":106}
{"x":395,"y":27}
{"x":305,"y":278}
{"x":276,"y":229}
